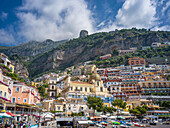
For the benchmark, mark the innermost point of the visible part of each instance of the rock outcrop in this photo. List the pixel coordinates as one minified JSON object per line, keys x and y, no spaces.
{"x":83,"y":33}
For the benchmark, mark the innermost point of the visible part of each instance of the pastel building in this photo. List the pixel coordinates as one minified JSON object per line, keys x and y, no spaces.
{"x":88,"y":69}
{"x":136,"y":61}
{"x":77,"y":72}
{"x":24,"y":94}
{"x":105,"y":56}
{"x":155,"y":87}
{"x":4,"y":60}
{"x":5,"y":91}
{"x":77,"y":93}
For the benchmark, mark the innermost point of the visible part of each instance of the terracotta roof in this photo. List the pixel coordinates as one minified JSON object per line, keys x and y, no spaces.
{"x":79,"y":82}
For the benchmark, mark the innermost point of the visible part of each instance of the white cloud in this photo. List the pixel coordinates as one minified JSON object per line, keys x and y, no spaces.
{"x":5,"y":37}
{"x":59,"y":19}
{"x":166,"y":7}
{"x":135,"y":13}
{"x":162,"y":28}
{"x":3,"y":16}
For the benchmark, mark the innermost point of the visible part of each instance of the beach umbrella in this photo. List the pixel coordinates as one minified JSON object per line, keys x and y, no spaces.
{"x":3,"y":111}
{"x":4,"y":115}
{"x":121,"y":117}
{"x":116,"y":123}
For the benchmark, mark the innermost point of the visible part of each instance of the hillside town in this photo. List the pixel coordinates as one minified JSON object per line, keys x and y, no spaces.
{"x":84,"y":93}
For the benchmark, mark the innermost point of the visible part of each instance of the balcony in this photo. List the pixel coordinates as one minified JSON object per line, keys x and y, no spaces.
{"x":19,"y":112}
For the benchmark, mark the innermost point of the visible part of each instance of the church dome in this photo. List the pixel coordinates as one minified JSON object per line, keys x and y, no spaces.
{"x":95,"y":77}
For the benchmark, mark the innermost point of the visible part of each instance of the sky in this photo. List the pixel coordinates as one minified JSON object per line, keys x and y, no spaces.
{"x":25,"y":20}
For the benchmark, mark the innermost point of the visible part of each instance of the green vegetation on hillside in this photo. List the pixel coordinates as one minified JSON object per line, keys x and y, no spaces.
{"x":123,"y":59}
{"x":40,"y":60}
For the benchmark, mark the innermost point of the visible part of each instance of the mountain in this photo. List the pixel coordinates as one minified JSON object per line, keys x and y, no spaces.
{"x":31,"y":49}
{"x":85,"y":48}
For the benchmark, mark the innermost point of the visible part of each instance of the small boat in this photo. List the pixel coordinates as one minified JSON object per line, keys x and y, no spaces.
{"x":103,"y":123}
{"x":138,"y":125}
{"x":152,"y":123}
{"x":124,"y":126}
{"x":128,"y":124}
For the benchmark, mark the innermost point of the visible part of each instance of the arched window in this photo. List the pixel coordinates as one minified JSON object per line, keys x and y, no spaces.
{"x":0,"y":93}
{"x":52,"y":87}
{"x":5,"y":95}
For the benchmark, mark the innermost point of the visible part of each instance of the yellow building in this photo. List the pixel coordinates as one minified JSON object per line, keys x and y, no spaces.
{"x":89,"y":69}
{"x":34,"y":84}
{"x":76,"y":93}
{"x":47,"y":105}
{"x":152,"y":74}
{"x":59,"y":104}
{"x":148,"y":87}
{"x":134,"y":103}
{"x":128,"y":107}
{"x":12,"y":68}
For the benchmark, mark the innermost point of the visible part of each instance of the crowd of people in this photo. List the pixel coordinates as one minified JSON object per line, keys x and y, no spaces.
{"x":20,"y":124}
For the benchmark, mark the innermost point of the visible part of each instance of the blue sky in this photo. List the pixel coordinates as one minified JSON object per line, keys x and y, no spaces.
{"x":25,"y":20}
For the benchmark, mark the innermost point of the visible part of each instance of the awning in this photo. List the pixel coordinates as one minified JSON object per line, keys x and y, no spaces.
{"x":9,"y":113}
{"x":4,"y":115}
{"x":96,"y":117}
{"x":103,"y":116}
{"x":113,"y":117}
{"x":82,"y":122}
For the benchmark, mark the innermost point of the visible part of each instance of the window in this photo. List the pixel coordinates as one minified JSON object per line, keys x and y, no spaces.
{"x":58,"y":108}
{"x":81,"y":108}
{"x":11,"y":68}
{"x":13,"y":100}
{"x":81,"y":88}
{"x":101,"y":89}
{"x":17,"y":89}
{"x":18,"y":98}
{"x":52,"y":87}
{"x":5,"y":95}
{"x":0,"y":93}
{"x":69,"y":108}
{"x":98,"y":83}
{"x":52,"y":94}
{"x":86,"y":89}
{"x":25,"y":100}
{"x":76,"y":88}
{"x":90,"y":90}
{"x":71,"y":88}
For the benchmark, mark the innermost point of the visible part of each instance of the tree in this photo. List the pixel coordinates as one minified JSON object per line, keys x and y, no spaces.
{"x":108,"y":109}
{"x":41,"y":90}
{"x":95,"y":103}
{"x":115,"y":52}
{"x":138,"y":111}
{"x":134,"y":111}
{"x":119,"y":103}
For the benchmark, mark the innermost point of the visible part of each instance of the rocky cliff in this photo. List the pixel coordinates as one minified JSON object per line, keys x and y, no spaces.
{"x":88,"y":47}
{"x":31,"y":49}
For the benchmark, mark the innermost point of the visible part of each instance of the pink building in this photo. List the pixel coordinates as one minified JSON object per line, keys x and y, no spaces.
{"x":105,"y":56}
{"x":24,"y":94}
